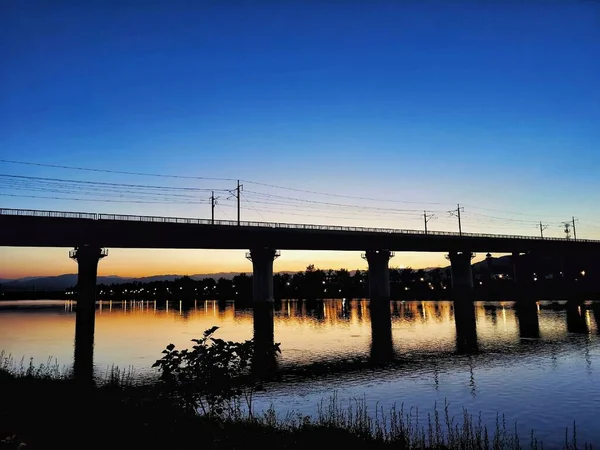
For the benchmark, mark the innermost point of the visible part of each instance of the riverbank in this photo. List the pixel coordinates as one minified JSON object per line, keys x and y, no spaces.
{"x":42,"y":409}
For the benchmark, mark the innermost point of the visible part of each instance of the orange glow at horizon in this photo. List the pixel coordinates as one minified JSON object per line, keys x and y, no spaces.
{"x":18,"y":262}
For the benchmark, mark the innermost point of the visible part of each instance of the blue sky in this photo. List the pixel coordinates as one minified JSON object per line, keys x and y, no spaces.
{"x":492,"y":104}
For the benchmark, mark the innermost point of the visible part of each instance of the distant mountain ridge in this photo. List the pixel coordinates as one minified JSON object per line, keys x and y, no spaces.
{"x":65,"y":281}
{"x":502,"y":264}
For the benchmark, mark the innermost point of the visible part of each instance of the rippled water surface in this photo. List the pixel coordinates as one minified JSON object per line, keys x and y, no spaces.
{"x":538,"y":367}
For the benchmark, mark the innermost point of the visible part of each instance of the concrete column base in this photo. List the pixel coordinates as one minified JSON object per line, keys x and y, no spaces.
{"x":466,"y":327}
{"x":264,"y":361}
{"x":262,"y":273}
{"x":462,"y":273}
{"x":382,"y":346}
{"x":379,"y":273}
{"x":527,"y":315}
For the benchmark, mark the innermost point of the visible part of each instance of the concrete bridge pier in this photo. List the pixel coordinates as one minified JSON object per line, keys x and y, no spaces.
{"x":576,"y":322}
{"x":515,"y":267}
{"x":462,"y":273}
{"x":489,"y":265}
{"x":264,"y":361}
{"x":489,"y":277}
{"x":527,"y":316}
{"x":379,"y":273}
{"x":382,"y":346}
{"x":262,"y":272}
{"x":596,"y":311}
{"x":87,"y":257}
{"x":466,"y":327}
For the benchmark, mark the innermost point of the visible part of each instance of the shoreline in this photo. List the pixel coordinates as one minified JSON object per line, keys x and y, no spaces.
{"x":142,"y":416}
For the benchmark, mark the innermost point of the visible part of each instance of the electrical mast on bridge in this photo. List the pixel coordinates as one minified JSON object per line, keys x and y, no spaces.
{"x":213,"y":203}
{"x":427,"y":218}
{"x":542,"y":228}
{"x":457,"y":213}
{"x":237,"y":194}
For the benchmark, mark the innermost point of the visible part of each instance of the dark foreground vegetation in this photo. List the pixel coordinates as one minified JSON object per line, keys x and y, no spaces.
{"x":203,"y":399}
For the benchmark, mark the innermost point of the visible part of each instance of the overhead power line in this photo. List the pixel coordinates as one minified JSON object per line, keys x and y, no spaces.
{"x":252,"y":206}
{"x":96,"y":200}
{"x":307,"y":191}
{"x":329,"y":203}
{"x":121,"y":172}
{"x":147,"y":193}
{"x":102,"y":183}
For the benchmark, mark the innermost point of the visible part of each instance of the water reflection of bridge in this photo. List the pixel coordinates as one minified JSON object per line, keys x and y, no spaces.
{"x":401,"y":333}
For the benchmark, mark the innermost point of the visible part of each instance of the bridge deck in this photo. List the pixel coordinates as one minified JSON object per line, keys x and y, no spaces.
{"x":33,"y":228}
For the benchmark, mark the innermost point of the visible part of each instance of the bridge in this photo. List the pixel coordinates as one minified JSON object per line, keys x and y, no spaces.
{"x":90,"y":233}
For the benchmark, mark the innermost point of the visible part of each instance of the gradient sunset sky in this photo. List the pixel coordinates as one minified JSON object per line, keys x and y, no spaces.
{"x":315,"y":105}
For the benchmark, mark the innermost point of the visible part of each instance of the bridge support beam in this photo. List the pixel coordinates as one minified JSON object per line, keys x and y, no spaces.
{"x":466,"y":327}
{"x":462,"y":273}
{"x":527,"y":315}
{"x":489,"y":265}
{"x":264,"y":359}
{"x":87,"y":257}
{"x":576,"y":322}
{"x":379,"y":273}
{"x":262,"y":272}
{"x":516,"y":267}
{"x":382,"y":346}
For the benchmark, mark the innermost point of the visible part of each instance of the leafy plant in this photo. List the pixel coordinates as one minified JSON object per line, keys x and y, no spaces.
{"x":211,"y":375}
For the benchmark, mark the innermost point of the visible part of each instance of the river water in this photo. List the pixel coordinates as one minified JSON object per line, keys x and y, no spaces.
{"x":540,"y":368}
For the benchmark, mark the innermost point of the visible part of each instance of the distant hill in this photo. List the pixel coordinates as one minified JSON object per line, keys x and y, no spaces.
{"x":56,"y":283}
{"x":499,"y":265}
{"x":61,"y":282}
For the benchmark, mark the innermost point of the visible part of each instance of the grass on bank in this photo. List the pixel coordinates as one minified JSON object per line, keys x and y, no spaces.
{"x":41,"y":407}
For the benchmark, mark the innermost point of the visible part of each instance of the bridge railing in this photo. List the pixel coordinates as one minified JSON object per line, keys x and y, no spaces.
{"x":57,"y":214}
{"x":194,"y":221}
{"x":231,"y":223}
